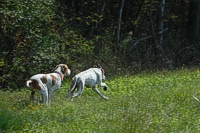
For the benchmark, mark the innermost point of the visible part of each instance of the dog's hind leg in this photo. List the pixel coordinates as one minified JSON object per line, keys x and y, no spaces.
{"x":80,"y":86}
{"x":70,"y":93}
{"x":72,"y":88}
{"x":99,"y":93}
{"x":32,"y":95}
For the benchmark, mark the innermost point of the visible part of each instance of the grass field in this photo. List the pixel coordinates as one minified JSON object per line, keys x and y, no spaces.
{"x":144,"y":103}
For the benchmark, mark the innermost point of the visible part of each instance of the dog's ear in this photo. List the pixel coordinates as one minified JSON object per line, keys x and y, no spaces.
{"x":97,"y":66}
{"x":102,"y":71}
{"x":64,"y":69}
{"x":55,"y":68}
{"x":94,"y":66}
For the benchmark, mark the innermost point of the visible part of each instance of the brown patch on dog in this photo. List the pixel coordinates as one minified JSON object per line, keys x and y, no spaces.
{"x":44,"y":79}
{"x":102,"y":71}
{"x":64,"y":69}
{"x":53,"y":80}
{"x":34,"y":85}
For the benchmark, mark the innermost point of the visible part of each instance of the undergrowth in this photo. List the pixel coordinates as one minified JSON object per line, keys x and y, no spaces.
{"x":147,"y":102}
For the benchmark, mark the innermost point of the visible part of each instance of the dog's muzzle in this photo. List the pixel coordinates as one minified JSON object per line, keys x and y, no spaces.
{"x":68,"y":72}
{"x":104,"y":77}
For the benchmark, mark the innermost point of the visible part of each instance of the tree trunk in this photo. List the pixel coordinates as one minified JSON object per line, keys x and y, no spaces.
{"x":161,"y":26}
{"x":119,"y":25}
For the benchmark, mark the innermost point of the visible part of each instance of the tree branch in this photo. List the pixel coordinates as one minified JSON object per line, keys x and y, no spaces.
{"x":139,"y":40}
{"x":100,"y":60}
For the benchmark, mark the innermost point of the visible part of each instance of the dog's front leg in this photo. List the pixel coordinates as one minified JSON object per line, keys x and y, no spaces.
{"x":44,"y":94}
{"x":103,"y":85}
{"x":99,"y":93}
{"x":50,"y":95}
{"x":45,"y":98}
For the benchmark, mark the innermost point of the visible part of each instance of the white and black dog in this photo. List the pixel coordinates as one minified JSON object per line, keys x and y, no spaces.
{"x":88,"y":78}
{"x":46,"y":84}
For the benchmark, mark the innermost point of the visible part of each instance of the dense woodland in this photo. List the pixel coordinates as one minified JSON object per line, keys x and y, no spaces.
{"x":123,"y":36}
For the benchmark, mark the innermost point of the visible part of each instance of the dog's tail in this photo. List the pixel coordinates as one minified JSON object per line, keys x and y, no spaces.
{"x":28,"y":83}
{"x":73,"y":84}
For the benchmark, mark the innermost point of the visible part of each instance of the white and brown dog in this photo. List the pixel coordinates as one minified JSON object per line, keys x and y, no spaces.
{"x":46,"y":84}
{"x":88,"y":78}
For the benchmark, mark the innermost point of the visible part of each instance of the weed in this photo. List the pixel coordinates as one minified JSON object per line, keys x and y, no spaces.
{"x":156,"y":102}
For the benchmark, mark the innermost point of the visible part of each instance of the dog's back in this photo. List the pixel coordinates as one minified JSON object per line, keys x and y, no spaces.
{"x":88,"y":78}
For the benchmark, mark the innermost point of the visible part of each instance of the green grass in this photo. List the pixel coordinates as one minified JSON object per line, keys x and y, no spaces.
{"x":156,"y":102}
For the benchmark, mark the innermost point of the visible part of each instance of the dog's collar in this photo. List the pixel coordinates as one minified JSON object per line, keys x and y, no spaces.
{"x":59,"y":75}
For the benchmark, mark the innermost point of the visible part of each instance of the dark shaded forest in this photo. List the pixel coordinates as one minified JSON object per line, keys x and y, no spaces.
{"x":123,"y":36}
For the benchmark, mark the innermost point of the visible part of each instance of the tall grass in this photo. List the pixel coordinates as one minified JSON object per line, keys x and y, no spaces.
{"x":148,"y":102}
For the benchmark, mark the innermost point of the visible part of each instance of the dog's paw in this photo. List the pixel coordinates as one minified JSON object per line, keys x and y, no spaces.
{"x":72,"y":99}
{"x":105,"y":88}
{"x":106,"y":98}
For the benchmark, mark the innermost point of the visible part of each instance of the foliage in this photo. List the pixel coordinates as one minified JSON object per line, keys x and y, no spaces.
{"x":31,"y":42}
{"x":147,"y":102}
{"x":36,"y":35}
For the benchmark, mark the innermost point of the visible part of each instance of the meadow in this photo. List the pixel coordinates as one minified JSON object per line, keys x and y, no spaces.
{"x":143,"y":103}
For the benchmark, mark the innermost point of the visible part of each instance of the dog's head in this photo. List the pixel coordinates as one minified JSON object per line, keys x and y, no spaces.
{"x":102,"y":70}
{"x":103,"y":77}
{"x":62,"y":68}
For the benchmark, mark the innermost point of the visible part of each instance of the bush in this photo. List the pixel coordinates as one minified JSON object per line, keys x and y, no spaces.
{"x":33,"y":42}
